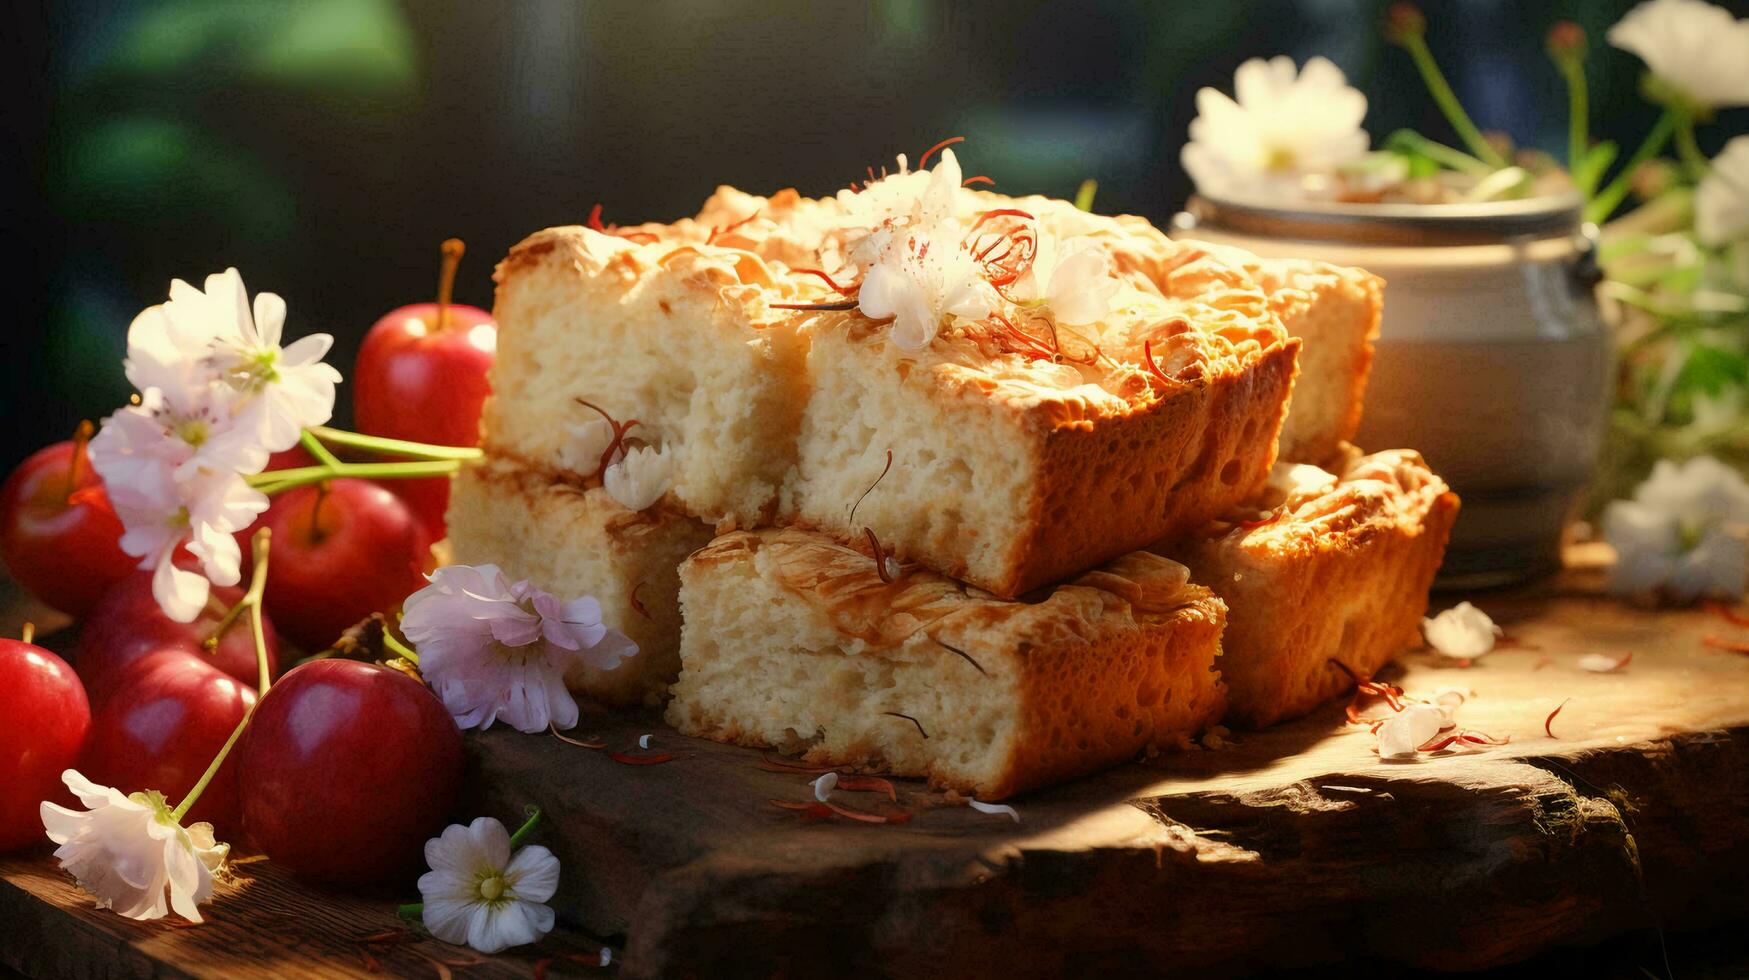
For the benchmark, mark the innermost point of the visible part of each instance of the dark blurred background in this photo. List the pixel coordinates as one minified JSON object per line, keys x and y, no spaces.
{"x":326,"y":147}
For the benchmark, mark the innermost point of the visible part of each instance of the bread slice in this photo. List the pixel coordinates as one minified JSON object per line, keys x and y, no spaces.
{"x":679,"y":336}
{"x":795,"y":642}
{"x":1340,"y":573}
{"x":572,"y":541}
{"x":1009,"y":473}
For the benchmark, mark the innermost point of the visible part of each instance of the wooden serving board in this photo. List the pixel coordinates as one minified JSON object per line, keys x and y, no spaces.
{"x":1290,"y":847}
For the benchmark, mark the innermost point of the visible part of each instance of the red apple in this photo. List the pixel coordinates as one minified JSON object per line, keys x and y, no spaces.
{"x":127,"y":624}
{"x":44,"y":719}
{"x":166,"y":719}
{"x":63,"y":552}
{"x":422,"y":375}
{"x":340,"y":553}
{"x":347,"y":769}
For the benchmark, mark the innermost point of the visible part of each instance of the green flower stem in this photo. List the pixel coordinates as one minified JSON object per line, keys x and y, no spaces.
{"x":276,"y":481}
{"x":1689,"y":150}
{"x":1610,"y":198}
{"x":1084,"y":196}
{"x":252,"y":600}
{"x":412,"y":910}
{"x":1578,"y":116}
{"x":316,"y":449}
{"x":1447,"y":101}
{"x":399,"y":649}
{"x":527,"y":827}
{"x":1449,"y":157}
{"x":392,"y":447}
{"x":213,"y":769}
{"x":230,"y":616}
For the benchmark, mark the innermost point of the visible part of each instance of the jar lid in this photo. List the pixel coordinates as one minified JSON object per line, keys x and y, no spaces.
{"x":1388,"y":224}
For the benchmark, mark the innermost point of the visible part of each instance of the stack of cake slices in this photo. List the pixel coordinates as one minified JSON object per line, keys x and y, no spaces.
{"x":923,"y":478}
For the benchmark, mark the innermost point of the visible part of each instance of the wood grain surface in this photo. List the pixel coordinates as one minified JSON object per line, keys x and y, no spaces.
{"x":1293,"y":847}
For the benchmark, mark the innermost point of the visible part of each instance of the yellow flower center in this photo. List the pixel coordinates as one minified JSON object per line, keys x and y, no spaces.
{"x":492,"y":887}
{"x":1279,"y":160}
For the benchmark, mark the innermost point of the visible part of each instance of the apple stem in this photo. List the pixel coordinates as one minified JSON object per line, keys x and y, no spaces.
{"x":28,"y":634}
{"x":391,"y":447}
{"x":452,"y":257}
{"x":399,"y":649}
{"x":81,"y":438}
{"x":316,"y":534}
{"x":252,"y":599}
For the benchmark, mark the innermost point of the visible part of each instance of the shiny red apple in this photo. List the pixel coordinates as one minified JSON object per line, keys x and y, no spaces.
{"x":64,"y":551}
{"x":347,"y":769}
{"x":164,"y":722}
{"x":127,"y":624}
{"x":44,"y":719}
{"x":422,"y":375}
{"x":340,"y":552}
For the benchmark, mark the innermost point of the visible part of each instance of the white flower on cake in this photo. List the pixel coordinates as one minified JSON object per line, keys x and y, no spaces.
{"x":1284,"y":124}
{"x":1463,"y":632}
{"x":919,"y":283}
{"x":1404,"y":732}
{"x":640,"y":477}
{"x":479,"y":894}
{"x":1721,"y":205}
{"x":581,"y":453}
{"x":495,"y":649}
{"x":128,"y":851}
{"x":1693,"y":46}
{"x":1685,"y":533}
{"x":824,"y":785}
{"x":1075,"y":278}
{"x":217,"y":396}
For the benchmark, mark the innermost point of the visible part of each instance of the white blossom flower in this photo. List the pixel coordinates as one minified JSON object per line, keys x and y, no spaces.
{"x":163,"y":505}
{"x":217,"y":396}
{"x":128,"y":851}
{"x":479,"y":894}
{"x":1721,"y":205}
{"x":640,"y":477}
{"x":919,"y":283}
{"x":1685,"y":533}
{"x":1284,"y":124}
{"x":494,"y":649}
{"x":1463,"y":631}
{"x":1597,"y":663}
{"x":1403,"y":733}
{"x":1693,"y":46}
{"x":581,"y":453}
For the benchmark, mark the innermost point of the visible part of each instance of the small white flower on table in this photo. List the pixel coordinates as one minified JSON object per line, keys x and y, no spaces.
{"x":1693,"y":46}
{"x":1684,"y":534}
{"x":1404,"y":732}
{"x":479,"y":894}
{"x":129,"y":850}
{"x":491,"y":648}
{"x":1283,"y":125}
{"x":1462,"y":632}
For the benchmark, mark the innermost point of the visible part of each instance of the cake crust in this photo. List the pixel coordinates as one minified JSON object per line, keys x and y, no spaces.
{"x":1012,"y":695}
{"x":1341,"y":575}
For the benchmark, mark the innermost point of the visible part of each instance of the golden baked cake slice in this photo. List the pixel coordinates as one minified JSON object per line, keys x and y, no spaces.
{"x":1011,"y":472}
{"x":795,"y":642}
{"x":1337,"y":569}
{"x":1334,"y":311}
{"x":680,"y":336}
{"x":573,"y":540}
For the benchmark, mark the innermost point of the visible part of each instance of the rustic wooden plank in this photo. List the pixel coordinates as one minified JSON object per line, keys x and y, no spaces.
{"x":1293,"y":847}
{"x":261,"y":923}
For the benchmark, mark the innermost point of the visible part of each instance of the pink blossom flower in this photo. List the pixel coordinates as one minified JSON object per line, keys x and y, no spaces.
{"x":495,"y":649}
